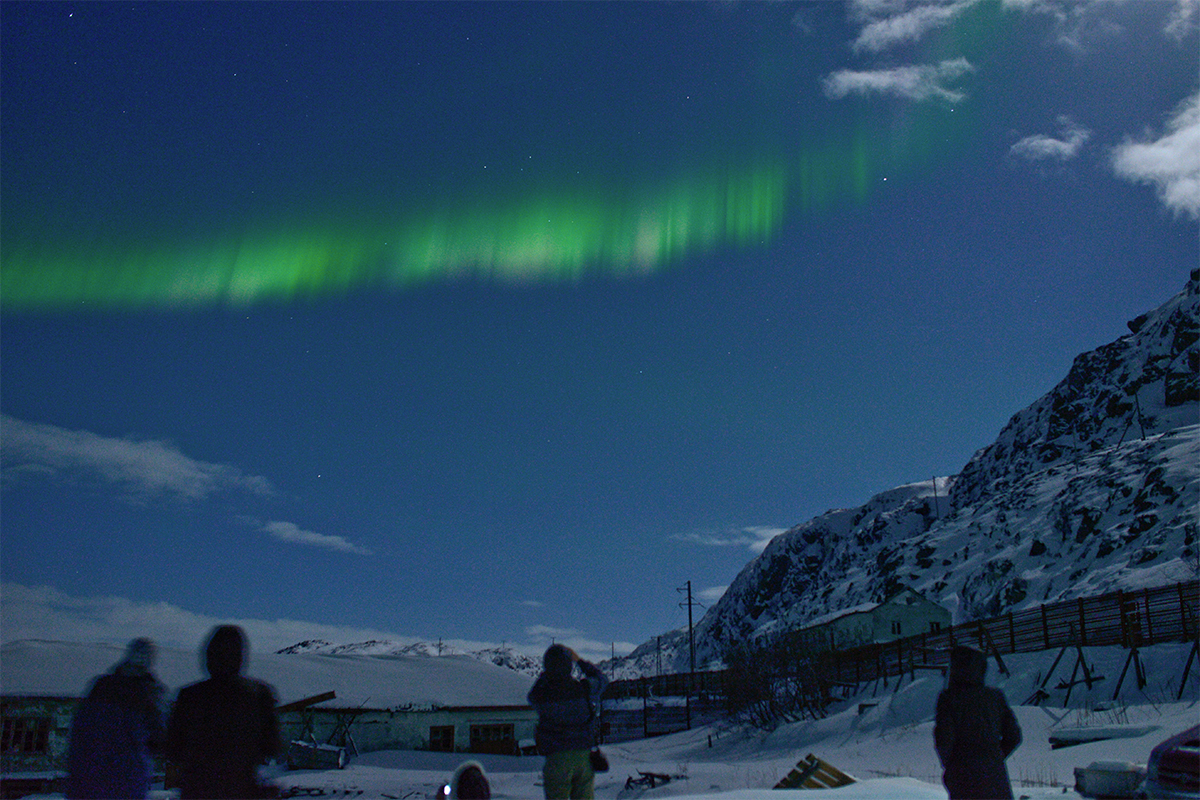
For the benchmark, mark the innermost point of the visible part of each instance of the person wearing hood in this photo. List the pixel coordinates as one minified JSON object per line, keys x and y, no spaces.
{"x":567,"y":722}
{"x":222,"y":728}
{"x":974,"y":731}
{"x":117,"y":728}
{"x":468,"y":783}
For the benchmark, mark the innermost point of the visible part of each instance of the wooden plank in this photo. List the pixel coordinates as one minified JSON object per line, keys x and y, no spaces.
{"x":813,"y":773}
{"x":306,"y":702}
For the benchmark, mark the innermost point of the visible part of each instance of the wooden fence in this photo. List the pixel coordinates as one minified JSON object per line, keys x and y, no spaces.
{"x":1129,"y":619}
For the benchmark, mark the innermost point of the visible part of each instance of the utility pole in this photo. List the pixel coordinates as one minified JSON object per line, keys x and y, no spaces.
{"x":691,"y":652}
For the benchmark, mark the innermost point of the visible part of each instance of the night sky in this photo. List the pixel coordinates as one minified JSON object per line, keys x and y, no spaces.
{"x":501,"y":322}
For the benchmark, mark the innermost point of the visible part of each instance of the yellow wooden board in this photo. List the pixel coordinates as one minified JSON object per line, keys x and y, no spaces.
{"x":813,"y":773}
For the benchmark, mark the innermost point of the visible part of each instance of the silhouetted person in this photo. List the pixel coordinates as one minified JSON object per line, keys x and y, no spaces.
{"x":117,"y":728}
{"x":975,"y":731}
{"x":469,"y":783}
{"x":567,"y":722}
{"x":221,"y":729}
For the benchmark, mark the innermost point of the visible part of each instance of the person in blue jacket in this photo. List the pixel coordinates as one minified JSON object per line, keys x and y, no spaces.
{"x":568,"y":720}
{"x":117,"y":729}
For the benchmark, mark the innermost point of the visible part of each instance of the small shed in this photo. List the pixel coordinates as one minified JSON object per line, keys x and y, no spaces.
{"x":451,"y":703}
{"x":905,"y":613}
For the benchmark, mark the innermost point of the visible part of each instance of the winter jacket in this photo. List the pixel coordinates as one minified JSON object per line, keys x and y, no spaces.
{"x":974,"y":732}
{"x":221,"y":729}
{"x":567,"y":709}
{"x":114,"y":731}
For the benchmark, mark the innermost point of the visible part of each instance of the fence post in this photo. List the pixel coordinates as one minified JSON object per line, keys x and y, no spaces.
{"x":1183,"y":620}
{"x":1012,"y":634}
{"x":1082,"y":625}
{"x":1149,"y":619}
{"x":1045,"y":627}
{"x":1124,"y":617}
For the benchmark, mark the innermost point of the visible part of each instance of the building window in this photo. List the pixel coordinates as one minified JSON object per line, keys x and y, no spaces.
{"x":934,"y":627}
{"x":896,"y":628}
{"x":495,"y":738}
{"x":29,"y":735}
{"x":441,"y":738}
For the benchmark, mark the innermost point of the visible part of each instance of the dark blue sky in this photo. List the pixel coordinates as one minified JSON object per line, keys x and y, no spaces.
{"x":489,"y":460}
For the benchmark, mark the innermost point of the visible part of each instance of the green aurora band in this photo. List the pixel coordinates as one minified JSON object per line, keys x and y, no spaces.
{"x":542,"y":238}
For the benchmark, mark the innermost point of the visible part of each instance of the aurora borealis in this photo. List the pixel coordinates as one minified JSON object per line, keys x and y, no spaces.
{"x":548,"y":238}
{"x":500,"y":321}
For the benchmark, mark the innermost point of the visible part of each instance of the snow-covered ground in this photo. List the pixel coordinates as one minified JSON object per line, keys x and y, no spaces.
{"x":888,"y":747}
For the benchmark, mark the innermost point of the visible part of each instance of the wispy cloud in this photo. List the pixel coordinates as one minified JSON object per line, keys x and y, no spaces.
{"x":712,"y":594}
{"x":1171,"y":162}
{"x":920,"y":82}
{"x":139,"y":468}
{"x":293,"y":534}
{"x":1041,"y":146}
{"x":887,"y":24}
{"x":753,"y":538}
{"x":1183,"y":20}
{"x":591,"y":649}
{"x":42,"y":612}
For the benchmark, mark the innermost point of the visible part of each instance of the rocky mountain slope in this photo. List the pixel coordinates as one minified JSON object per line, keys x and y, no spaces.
{"x":1092,"y":488}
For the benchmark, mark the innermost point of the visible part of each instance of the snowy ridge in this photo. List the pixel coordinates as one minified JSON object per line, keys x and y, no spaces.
{"x":499,"y":656}
{"x":1092,"y":488}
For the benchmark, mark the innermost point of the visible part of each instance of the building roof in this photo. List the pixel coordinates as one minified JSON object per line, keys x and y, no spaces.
{"x":49,"y":669}
{"x":866,"y":608}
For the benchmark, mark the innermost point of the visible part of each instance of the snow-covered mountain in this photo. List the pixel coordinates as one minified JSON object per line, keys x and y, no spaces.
{"x":1092,"y":488}
{"x":500,"y":656}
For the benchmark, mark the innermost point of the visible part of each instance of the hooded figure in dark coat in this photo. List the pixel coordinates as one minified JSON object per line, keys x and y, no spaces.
{"x":221,"y":729}
{"x":567,"y":710}
{"x":975,"y":731}
{"x":117,"y":729}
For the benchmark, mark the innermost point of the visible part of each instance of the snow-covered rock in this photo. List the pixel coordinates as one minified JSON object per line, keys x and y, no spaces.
{"x":1092,"y":488}
{"x":499,"y":656}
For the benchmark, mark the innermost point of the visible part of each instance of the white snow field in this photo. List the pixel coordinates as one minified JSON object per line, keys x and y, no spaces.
{"x":888,"y":747}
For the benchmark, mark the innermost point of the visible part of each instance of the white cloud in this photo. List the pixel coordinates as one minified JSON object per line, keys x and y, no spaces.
{"x":42,"y":612}
{"x":753,"y":537}
{"x":1171,"y":162}
{"x":590,"y":649}
{"x":1183,"y":19}
{"x":888,"y":24}
{"x":141,"y":468}
{"x":921,"y":82}
{"x":712,"y":594}
{"x":1040,"y":146}
{"x":290,"y":532}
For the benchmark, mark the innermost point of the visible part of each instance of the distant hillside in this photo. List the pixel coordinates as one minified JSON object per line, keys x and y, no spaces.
{"x":1092,"y":488}
{"x":500,"y":656}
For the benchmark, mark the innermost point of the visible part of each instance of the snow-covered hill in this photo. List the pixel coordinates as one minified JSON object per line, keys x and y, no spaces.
{"x":499,"y":656}
{"x":1092,"y":488}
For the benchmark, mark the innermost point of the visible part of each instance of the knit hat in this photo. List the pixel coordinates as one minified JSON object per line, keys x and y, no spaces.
{"x":225,"y":653}
{"x":967,"y":665}
{"x":139,"y":654}
{"x":470,"y":782}
{"x":557,"y":661}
